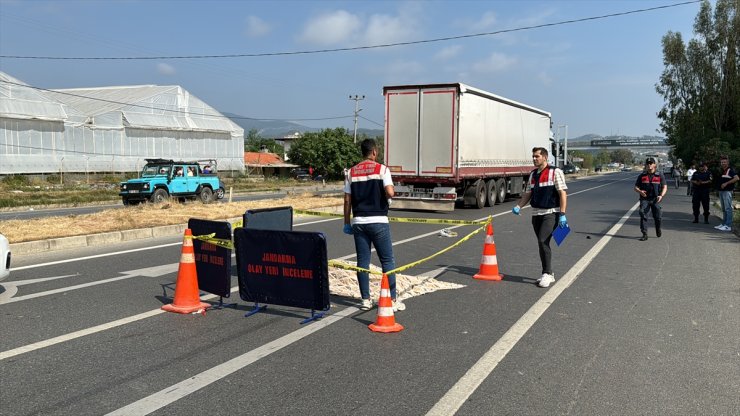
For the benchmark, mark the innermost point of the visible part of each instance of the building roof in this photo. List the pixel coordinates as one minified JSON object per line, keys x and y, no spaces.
{"x":262,"y":159}
{"x":21,"y":101}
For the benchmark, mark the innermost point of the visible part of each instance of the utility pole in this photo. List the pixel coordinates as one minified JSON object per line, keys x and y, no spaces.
{"x":564,"y":141}
{"x":565,"y":149}
{"x":357,"y":99}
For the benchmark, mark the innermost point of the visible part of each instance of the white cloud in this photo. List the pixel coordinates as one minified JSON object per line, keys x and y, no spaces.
{"x":383,"y":29}
{"x":331,"y":28}
{"x":256,"y":27}
{"x":448,"y":53}
{"x":487,"y":21}
{"x":165,"y":69}
{"x":494,"y":63}
{"x":398,"y":72}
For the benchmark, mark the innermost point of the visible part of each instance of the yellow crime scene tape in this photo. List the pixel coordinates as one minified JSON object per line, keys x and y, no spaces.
{"x":210,"y":238}
{"x":400,"y":219}
{"x":346,"y":266}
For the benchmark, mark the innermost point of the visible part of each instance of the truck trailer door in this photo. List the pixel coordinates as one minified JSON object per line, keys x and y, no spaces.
{"x":421,"y":126}
{"x":438,"y":121}
{"x":402,"y":131}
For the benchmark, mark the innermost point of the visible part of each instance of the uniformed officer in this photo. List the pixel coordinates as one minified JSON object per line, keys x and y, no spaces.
{"x":652,"y":187}
{"x":701,"y":183}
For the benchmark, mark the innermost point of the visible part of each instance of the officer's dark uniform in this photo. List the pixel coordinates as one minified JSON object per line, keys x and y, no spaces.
{"x":652,"y":184}
{"x":701,"y":194}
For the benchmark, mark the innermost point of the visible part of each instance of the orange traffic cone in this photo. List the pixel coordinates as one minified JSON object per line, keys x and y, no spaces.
{"x":187,"y":295}
{"x":385,"y":322}
{"x":488,"y":263}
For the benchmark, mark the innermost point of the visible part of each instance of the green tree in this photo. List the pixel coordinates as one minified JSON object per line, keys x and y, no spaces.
{"x":603,"y":158}
{"x":329,"y":152}
{"x":588,"y":158}
{"x":254,"y":142}
{"x":622,"y":156}
{"x":700,"y":84}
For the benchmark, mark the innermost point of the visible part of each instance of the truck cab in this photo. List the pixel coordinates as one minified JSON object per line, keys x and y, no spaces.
{"x":161,"y":179}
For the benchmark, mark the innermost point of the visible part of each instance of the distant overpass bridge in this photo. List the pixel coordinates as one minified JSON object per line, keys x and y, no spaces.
{"x":637,"y":145}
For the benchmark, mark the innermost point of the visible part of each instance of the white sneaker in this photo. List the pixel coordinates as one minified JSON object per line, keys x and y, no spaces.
{"x":398,"y":306}
{"x":366,"y":305}
{"x":540,"y":279}
{"x":546,"y":280}
{"x":725,"y":228}
{"x":719,"y":227}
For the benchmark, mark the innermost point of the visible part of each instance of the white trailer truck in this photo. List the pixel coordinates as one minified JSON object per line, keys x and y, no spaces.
{"x":448,"y":143}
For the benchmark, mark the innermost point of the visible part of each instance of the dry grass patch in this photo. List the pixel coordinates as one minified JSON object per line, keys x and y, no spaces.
{"x":147,"y":215}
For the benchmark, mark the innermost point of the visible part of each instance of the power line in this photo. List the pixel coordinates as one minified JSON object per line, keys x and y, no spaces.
{"x":171,"y":110}
{"x":356,"y":48}
{"x":374,"y":122}
{"x":56,"y":150}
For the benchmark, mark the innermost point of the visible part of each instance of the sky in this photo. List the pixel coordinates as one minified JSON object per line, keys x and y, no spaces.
{"x":595,"y":76}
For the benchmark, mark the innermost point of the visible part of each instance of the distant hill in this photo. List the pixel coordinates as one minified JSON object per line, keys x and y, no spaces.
{"x":268,"y":129}
{"x":275,"y":129}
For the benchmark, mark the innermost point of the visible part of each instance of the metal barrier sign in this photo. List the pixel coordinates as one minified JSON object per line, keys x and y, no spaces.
{"x":288,"y":268}
{"x":280,"y":218}
{"x":213,"y":263}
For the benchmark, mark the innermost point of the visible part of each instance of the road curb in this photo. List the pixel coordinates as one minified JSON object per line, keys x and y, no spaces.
{"x":91,"y":240}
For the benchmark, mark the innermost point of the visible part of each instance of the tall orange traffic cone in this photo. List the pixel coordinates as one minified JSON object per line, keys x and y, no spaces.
{"x":489,"y":263}
{"x":385,"y":322}
{"x":187,"y":295}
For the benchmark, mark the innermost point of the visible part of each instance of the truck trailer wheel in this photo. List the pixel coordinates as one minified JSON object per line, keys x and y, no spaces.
{"x":480,"y":194}
{"x":490,"y":192}
{"x":500,"y":190}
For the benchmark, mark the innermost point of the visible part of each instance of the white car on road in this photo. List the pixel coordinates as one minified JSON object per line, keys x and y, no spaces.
{"x":4,"y":258}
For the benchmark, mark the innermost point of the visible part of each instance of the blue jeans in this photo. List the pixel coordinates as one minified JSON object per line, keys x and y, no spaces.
{"x":725,"y":199}
{"x":379,"y":235}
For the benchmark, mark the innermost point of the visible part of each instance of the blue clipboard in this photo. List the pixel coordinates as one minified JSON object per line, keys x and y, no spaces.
{"x":560,"y":233}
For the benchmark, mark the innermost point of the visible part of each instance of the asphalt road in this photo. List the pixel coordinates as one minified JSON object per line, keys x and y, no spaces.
{"x":629,"y":327}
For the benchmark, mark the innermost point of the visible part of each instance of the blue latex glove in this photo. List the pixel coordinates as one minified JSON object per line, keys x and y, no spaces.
{"x":562,"y":221}
{"x":347,"y":229}
{"x":516,"y":210}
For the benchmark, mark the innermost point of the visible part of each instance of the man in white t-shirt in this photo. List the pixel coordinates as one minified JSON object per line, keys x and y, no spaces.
{"x":367,"y":194}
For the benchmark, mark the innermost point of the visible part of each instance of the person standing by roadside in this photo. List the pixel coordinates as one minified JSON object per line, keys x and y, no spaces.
{"x":652,"y":187}
{"x":689,"y":174}
{"x":549,"y":200}
{"x":701,"y":184}
{"x":727,"y":181}
{"x":367,"y":194}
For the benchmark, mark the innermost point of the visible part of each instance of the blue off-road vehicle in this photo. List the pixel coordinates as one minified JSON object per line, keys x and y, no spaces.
{"x":164,"y":178}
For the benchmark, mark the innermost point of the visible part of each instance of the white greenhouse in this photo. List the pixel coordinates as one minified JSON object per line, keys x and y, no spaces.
{"x":110,"y":129}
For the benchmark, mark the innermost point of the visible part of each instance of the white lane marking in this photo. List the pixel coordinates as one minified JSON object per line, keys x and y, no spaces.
{"x":66,"y":289}
{"x":451,"y":402}
{"x":192,"y":384}
{"x":88,"y":331}
{"x":41,"y":280}
{"x":115,"y":253}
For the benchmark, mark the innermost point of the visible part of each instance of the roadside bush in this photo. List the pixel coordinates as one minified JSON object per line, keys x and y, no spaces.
{"x":16,"y":181}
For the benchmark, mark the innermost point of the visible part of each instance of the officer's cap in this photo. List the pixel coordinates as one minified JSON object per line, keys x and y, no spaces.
{"x":649,"y":161}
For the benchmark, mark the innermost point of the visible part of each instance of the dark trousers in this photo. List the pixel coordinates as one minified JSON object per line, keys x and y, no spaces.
{"x":648,"y":206}
{"x":543,"y":226}
{"x":700,"y":196}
